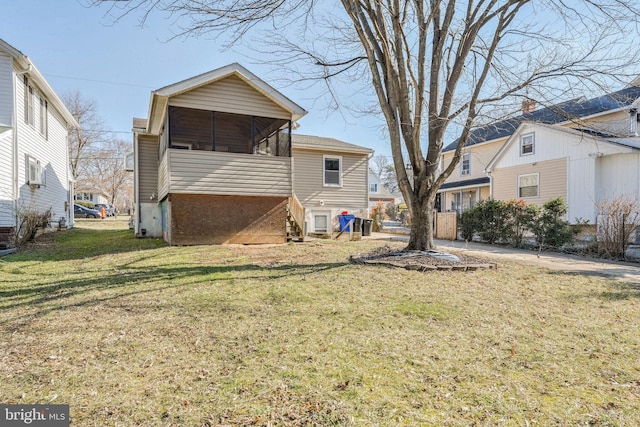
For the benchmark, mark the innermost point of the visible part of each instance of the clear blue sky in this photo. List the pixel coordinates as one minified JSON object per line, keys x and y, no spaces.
{"x":118,"y":65}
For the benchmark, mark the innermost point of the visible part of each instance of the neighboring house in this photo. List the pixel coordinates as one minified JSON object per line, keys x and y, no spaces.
{"x":610,"y":116}
{"x":330,"y":177}
{"x":34,"y":164}
{"x":541,"y":162}
{"x":92,"y":195}
{"x":213,"y":164}
{"x":378,"y":193}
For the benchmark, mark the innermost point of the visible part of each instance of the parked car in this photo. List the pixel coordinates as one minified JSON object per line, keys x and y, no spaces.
{"x":110,"y":210}
{"x":82,"y":212}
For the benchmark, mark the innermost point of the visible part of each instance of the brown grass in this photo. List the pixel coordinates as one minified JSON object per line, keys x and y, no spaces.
{"x":131,"y":332}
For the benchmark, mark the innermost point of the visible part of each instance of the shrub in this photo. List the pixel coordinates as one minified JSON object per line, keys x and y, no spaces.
{"x":467,"y":224}
{"x":489,"y":219}
{"x":391,"y":211}
{"x":520,"y":218}
{"x":377,"y":215}
{"x":618,"y":220}
{"x":29,"y":222}
{"x":550,"y":228}
{"x":497,"y":221}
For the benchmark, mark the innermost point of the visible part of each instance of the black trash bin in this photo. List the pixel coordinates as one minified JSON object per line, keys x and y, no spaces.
{"x":357,"y":224}
{"x":367,"y":224}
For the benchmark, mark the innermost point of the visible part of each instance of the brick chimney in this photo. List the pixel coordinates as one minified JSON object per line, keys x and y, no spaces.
{"x":528,"y":106}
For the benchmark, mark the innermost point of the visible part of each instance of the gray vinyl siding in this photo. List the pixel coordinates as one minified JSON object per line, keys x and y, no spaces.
{"x":148,"y":168}
{"x":6,"y":90}
{"x":205,"y":172}
{"x":230,"y":95}
{"x":309,"y":181}
{"x":163,"y":176}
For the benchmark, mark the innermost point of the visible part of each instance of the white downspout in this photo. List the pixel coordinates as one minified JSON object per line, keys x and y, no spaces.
{"x":136,"y":186}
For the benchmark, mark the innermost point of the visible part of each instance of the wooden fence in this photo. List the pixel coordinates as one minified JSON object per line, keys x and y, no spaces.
{"x":446,"y":225}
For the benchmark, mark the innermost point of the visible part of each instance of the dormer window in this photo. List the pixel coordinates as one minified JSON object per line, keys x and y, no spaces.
{"x":527,"y":144}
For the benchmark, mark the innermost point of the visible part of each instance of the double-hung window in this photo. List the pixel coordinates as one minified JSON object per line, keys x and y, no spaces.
{"x":527,"y":144}
{"x":29,"y":101}
{"x":34,"y":171}
{"x":44,"y":108}
{"x":373,"y":187}
{"x":529,"y":185}
{"x":465,"y":164}
{"x":332,"y":171}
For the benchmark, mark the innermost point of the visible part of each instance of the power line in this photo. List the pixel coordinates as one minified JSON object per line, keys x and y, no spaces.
{"x":100,"y":81}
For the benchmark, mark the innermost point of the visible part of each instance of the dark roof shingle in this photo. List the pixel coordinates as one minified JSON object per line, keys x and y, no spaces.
{"x":568,"y":110}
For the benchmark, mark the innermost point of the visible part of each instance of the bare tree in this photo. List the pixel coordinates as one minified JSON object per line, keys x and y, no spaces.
{"x":435,"y":67}
{"x":383,"y":167}
{"x":90,"y":133}
{"x":107,"y":171}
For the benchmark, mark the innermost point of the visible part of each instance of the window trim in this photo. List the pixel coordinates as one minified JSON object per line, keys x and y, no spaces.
{"x":520,"y":196}
{"x":533,"y":144}
{"x":44,"y":119}
{"x":326,"y":157}
{"x":29,"y":101}
{"x":328,"y":223}
{"x":465,"y":157}
{"x":37,"y":178}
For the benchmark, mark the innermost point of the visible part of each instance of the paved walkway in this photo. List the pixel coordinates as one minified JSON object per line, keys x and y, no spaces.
{"x":625,"y":271}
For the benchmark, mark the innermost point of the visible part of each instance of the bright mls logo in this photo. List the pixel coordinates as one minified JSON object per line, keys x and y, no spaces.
{"x":34,"y":415}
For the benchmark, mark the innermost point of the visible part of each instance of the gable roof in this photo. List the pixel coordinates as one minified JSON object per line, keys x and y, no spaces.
{"x":319,"y":143}
{"x":620,"y":142}
{"x":160,"y":97}
{"x":32,"y":72}
{"x":554,"y":114}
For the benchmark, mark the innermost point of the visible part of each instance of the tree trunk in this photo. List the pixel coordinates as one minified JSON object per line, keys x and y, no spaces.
{"x":422,"y":231}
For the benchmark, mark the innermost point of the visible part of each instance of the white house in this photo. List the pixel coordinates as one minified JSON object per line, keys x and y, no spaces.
{"x":91,"y":195}
{"x":540,"y":162}
{"x":34,"y":166}
{"x":379,"y":193}
{"x":573,"y":147}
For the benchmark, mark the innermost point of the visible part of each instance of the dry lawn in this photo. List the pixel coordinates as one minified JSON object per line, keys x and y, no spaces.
{"x":131,"y":332}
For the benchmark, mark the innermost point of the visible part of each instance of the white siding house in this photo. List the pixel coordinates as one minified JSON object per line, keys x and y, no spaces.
{"x":583,"y":150}
{"x":541,"y":162}
{"x":34,"y":166}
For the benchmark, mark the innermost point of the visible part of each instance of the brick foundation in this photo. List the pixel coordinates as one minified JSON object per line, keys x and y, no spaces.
{"x":7,"y":237}
{"x":206,"y":219}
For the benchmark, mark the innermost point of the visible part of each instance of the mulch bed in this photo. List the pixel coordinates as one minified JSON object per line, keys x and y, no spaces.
{"x":421,"y":260}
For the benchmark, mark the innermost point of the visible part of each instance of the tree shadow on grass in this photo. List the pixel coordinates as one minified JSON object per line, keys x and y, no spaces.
{"x":619,"y":290}
{"x":622,"y":291}
{"x":44,"y":296}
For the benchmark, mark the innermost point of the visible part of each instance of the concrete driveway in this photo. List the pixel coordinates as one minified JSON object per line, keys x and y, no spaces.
{"x":624,"y":271}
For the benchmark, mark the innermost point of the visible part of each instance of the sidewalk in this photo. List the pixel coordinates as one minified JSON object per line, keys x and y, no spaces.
{"x":624,"y":271}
